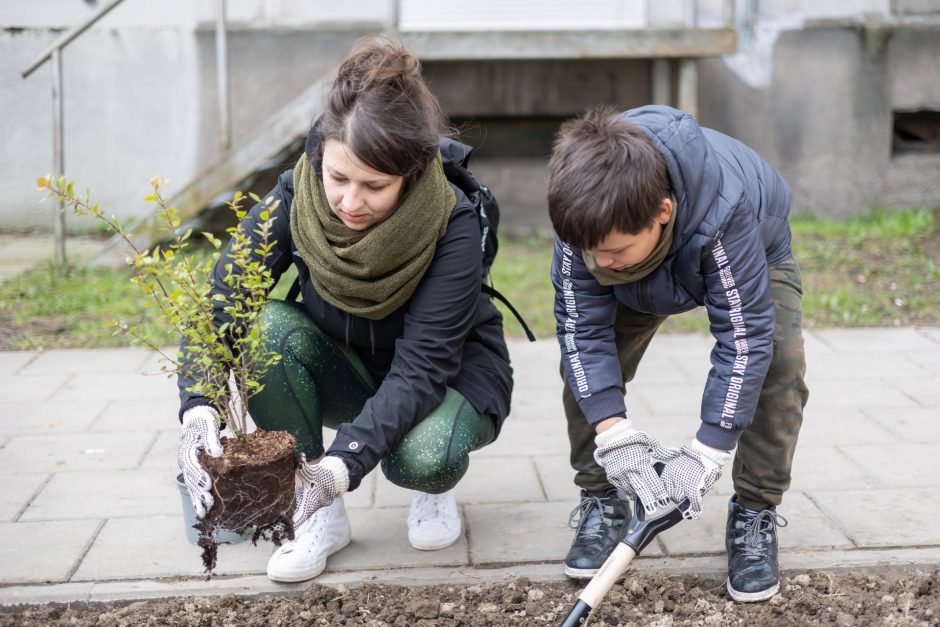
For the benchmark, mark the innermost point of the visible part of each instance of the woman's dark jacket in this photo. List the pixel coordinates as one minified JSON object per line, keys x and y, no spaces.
{"x":449,"y":333}
{"x":730,"y":226}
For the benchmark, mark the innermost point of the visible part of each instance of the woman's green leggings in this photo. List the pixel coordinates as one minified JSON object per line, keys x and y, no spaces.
{"x":320,"y":383}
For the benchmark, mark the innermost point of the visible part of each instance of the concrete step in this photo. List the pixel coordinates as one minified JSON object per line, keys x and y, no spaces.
{"x":283,"y":130}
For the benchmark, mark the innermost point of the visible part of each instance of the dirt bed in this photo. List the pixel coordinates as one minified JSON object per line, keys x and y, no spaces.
{"x":815,"y":598}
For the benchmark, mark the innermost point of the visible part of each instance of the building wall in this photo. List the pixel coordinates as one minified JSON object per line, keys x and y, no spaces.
{"x":141,"y":102}
{"x":140,"y":95}
{"x":128,"y":115}
{"x":825,"y":119}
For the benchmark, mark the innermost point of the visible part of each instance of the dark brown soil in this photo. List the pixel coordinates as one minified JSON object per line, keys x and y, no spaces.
{"x":253,"y":488}
{"x":814,"y":598}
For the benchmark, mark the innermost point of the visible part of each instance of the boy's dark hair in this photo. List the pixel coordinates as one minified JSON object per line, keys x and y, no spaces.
{"x":380,"y":107}
{"x":605,"y":174}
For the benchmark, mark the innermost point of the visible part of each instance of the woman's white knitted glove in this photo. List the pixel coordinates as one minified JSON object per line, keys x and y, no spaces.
{"x":200,"y":431}
{"x":322,"y":482}
{"x":692,"y":473}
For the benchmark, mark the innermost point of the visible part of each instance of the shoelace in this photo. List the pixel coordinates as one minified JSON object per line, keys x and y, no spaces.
{"x":581,"y":513}
{"x":427,"y":506}
{"x":756,"y":527}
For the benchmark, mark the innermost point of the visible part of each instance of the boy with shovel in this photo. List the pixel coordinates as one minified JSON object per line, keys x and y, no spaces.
{"x":655,"y":215}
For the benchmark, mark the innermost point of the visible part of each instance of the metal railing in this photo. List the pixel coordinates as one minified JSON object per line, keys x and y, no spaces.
{"x":54,"y":53}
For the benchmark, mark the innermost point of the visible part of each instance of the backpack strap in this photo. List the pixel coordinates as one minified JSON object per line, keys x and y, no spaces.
{"x":294,"y":291}
{"x":490,"y":290}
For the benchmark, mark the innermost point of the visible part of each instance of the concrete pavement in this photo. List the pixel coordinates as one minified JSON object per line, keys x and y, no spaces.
{"x":89,"y":509}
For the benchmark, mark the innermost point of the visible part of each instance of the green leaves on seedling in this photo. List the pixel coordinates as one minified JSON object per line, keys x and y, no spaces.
{"x":223,"y":347}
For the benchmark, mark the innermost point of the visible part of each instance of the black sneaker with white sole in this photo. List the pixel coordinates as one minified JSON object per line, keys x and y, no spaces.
{"x":751,"y":540}
{"x":599,"y":523}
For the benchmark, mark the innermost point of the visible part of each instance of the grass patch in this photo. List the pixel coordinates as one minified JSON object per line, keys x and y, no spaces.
{"x":877,"y":269}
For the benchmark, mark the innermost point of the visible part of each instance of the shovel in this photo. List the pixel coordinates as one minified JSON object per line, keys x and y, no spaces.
{"x":640,"y":531}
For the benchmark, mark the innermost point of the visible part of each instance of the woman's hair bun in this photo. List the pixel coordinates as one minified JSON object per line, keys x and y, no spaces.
{"x":382,"y":110}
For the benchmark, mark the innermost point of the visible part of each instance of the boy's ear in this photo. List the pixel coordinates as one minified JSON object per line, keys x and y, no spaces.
{"x":666,"y":207}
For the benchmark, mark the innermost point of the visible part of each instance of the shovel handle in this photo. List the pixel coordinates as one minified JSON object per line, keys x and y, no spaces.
{"x":640,"y":532}
{"x":600,"y":584}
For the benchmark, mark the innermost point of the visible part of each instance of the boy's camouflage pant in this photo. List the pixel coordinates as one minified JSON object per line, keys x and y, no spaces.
{"x":764,"y":457}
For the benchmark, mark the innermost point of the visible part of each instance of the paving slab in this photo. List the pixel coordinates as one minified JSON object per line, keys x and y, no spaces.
{"x":155,"y":361}
{"x":30,"y":417}
{"x":931,"y":333}
{"x":486,"y":481}
{"x":929,"y":361}
{"x":670,"y":428}
{"x":75,"y":451}
{"x":807,"y":528}
{"x":380,"y":540}
{"x":105,"y":494}
{"x":877,"y":340}
{"x":825,"y":467}
{"x":162,"y":455}
{"x":31,"y":389}
{"x":131,"y":386}
{"x":557,"y":478}
{"x":850,"y":426}
{"x":542,"y":379}
{"x":925,"y":390}
{"x":43,"y":551}
{"x":696,"y":372}
{"x":815,"y":345}
{"x":549,"y":436}
{"x":836,"y":366}
{"x":898,"y":465}
{"x":667,"y":369}
{"x":156,"y":546}
{"x":11,"y":362}
{"x":387,"y":494}
{"x":86,"y":361}
{"x":684,"y":346}
{"x":666,"y":400}
{"x":844,"y":395}
{"x":885,"y":517}
{"x":909,"y":424}
{"x":363,"y":496}
{"x":16,"y":490}
{"x":157,"y":414}
{"x":542,"y":406}
{"x":529,"y":532}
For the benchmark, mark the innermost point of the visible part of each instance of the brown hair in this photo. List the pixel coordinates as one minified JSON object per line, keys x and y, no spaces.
{"x":605,"y":174}
{"x":380,"y":107}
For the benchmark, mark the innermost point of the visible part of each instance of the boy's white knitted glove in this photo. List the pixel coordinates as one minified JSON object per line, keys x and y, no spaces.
{"x":200,"y":431}
{"x":322,"y":482}
{"x":692,"y":473}
{"x":627,"y":457}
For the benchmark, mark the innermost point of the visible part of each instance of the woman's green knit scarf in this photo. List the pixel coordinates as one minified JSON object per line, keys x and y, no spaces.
{"x":371,"y":273}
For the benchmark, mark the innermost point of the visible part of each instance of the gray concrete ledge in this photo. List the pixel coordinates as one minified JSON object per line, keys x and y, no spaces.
{"x":613,"y":44}
{"x":255,"y":585}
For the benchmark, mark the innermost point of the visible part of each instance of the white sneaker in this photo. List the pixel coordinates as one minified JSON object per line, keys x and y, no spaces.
{"x":434,"y":522}
{"x":325,"y":533}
